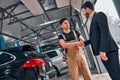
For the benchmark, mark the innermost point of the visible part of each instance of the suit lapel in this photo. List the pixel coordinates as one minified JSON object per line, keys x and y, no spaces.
{"x":93,"y":19}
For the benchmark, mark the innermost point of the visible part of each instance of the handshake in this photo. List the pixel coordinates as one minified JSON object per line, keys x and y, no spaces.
{"x":79,"y":43}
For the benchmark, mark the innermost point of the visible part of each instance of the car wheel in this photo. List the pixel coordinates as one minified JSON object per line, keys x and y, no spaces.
{"x":57,"y":71}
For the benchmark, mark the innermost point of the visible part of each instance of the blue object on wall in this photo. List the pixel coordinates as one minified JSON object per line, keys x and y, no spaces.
{"x":38,"y":49}
{"x":16,"y":44}
{"x":2,"y":43}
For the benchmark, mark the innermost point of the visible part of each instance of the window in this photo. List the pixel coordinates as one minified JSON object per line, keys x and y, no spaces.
{"x":5,"y":58}
{"x":102,"y":5}
{"x":48,"y":4}
{"x":52,"y":54}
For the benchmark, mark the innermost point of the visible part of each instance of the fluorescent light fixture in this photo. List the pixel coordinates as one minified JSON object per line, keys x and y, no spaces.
{"x":49,"y":22}
{"x":56,"y":37}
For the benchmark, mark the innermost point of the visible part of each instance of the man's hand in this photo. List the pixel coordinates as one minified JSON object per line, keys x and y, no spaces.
{"x":80,"y":43}
{"x":103,"y":56}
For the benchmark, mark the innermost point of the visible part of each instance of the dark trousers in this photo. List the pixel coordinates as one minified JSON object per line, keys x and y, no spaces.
{"x":112,"y":65}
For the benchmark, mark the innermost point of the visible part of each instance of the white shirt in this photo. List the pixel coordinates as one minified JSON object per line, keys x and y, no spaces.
{"x":89,"y":22}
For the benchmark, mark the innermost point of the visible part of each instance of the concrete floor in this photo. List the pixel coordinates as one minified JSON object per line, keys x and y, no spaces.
{"x":103,"y":76}
{"x":95,"y":76}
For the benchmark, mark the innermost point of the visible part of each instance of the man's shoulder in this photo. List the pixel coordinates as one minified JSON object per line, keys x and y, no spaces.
{"x":100,"y":14}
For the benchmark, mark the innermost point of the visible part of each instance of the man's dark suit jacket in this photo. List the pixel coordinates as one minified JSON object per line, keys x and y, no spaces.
{"x":100,"y":37}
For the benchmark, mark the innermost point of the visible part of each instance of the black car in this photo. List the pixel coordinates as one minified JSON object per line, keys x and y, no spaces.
{"x":24,"y":63}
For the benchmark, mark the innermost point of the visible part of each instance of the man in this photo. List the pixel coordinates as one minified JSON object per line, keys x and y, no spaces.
{"x":71,"y":40}
{"x":101,"y":40}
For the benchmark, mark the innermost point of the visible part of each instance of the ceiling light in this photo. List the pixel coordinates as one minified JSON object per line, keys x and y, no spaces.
{"x":49,"y":22}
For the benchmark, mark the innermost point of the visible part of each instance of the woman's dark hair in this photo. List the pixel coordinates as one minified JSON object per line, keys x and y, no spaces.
{"x":88,"y":4}
{"x":62,"y":20}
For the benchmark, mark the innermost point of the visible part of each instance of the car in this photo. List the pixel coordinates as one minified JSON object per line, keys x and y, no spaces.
{"x":58,"y":59}
{"x":24,"y":63}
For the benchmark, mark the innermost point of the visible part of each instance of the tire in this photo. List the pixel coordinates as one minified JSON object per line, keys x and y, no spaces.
{"x":24,"y":74}
{"x":57,"y":71}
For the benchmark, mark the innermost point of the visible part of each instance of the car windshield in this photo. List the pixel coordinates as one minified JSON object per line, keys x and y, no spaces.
{"x":52,"y":54}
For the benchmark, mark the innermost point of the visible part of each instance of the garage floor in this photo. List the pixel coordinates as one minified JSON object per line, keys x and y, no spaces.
{"x":95,"y":76}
